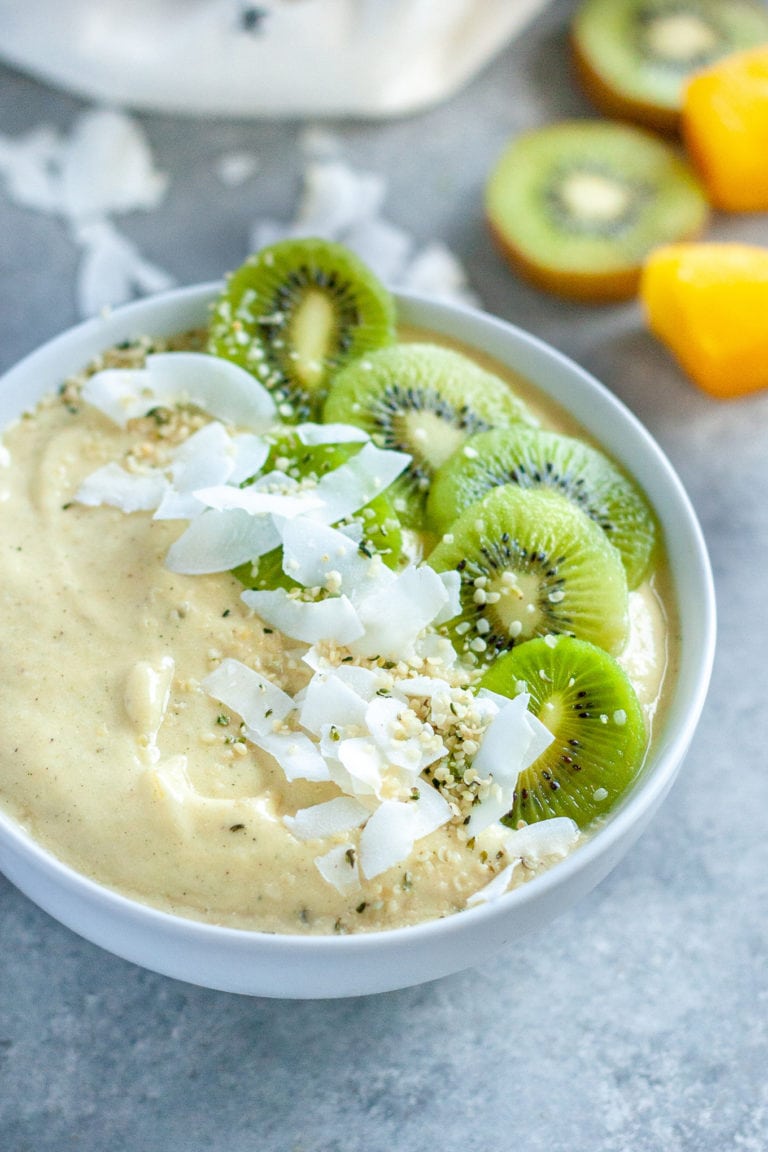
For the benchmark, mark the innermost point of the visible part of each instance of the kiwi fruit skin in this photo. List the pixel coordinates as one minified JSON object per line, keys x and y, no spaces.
{"x":531,"y":563}
{"x":425,"y":400}
{"x":636,"y":88}
{"x":587,"y":701}
{"x":659,"y":198}
{"x":381,"y":527}
{"x":532,"y":457}
{"x":294,"y":314}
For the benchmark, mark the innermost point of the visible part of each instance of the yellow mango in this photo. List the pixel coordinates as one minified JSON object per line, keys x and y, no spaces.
{"x":725,"y":129}
{"x":709,"y":303}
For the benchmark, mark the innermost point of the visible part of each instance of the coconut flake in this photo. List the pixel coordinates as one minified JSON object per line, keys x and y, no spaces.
{"x":512,"y":741}
{"x":365,"y":682}
{"x":452,"y":583}
{"x":437,"y":272}
{"x":338,"y":868}
{"x":412,"y":753}
{"x":356,"y":482}
{"x":216,"y":385}
{"x":30,"y":165}
{"x":390,"y":834}
{"x":413,"y":599}
{"x":220,"y":541}
{"x":234,"y":168}
{"x":108,"y":167}
{"x":382,"y":246}
{"x":295,"y":753}
{"x":328,"y":819}
{"x":256,"y":500}
{"x":122,"y":394}
{"x":206,"y":458}
{"x":535,"y":842}
{"x":314,"y":434}
{"x":328,"y":700}
{"x":128,"y":491}
{"x":361,"y":760}
{"x":259,"y":702}
{"x":313,"y":550}
{"x":332,"y":619}
{"x":426,"y":686}
{"x":494,"y":889}
{"x":251,"y":454}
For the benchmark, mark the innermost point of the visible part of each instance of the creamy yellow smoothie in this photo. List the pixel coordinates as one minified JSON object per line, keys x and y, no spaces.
{"x":116,"y":757}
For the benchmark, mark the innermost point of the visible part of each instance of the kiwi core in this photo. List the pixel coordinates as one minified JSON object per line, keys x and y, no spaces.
{"x":430,"y":437}
{"x":513,"y":604}
{"x":680,"y":38}
{"x":592,"y":197}
{"x":312,"y":328}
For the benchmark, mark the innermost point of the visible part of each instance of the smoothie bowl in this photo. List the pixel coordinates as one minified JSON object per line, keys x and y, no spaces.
{"x":346,"y":639}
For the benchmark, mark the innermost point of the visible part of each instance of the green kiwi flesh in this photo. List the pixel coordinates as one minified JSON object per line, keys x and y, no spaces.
{"x":380,"y":525}
{"x":294,"y":314}
{"x":531,"y":563}
{"x":645,"y":49}
{"x":531,"y":457}
{"x":586,"y":700}
{"x":424,"y":400}
{"x":591,"y":198}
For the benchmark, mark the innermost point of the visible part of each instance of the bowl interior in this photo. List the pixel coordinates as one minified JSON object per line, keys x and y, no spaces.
{"x":256,"y":963}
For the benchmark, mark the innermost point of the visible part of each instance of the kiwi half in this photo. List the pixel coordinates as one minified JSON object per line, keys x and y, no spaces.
{"x":295,"y":313}
{"x":381,"y":529}
{"x":634,"y":56}
{"x":586,"y":700}
{"x":531,"y":563}
{"x":534,"y":458}
{"x":577,"y":206}
{"x":424,"y":400}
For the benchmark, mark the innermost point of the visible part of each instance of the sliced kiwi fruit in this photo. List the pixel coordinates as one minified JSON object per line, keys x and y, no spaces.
{"x":381,"y":529}
{"x":424,"y":400}
{"x":295,"y":313}
{"x":634,"y":56}
{"x":586,"y":700}
{"x":533,"y":458}
{"x":577,"y":206}
{"x":531,"y":563}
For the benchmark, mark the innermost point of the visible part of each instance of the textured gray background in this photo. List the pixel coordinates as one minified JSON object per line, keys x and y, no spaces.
{"x":637,"y":1022}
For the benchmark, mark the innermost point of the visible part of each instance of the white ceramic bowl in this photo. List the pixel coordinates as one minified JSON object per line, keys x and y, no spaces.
{"x":307,"y":966}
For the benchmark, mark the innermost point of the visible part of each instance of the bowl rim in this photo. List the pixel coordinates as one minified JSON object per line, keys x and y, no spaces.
{"x":647,"y":791}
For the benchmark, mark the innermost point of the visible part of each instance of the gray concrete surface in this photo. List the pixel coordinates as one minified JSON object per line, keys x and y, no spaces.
{"x":636,"y":1023}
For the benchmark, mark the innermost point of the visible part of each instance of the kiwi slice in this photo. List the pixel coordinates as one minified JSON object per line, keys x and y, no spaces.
{"x":381,"y":529}
{"x":534,"y":458}
{"x":586,"y":700}
{"x":424,"y":400}
{"x":295,"y":313}
{"x":634,"y":56}
{"x":577,"y":206}
{"x":531,"y":563}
